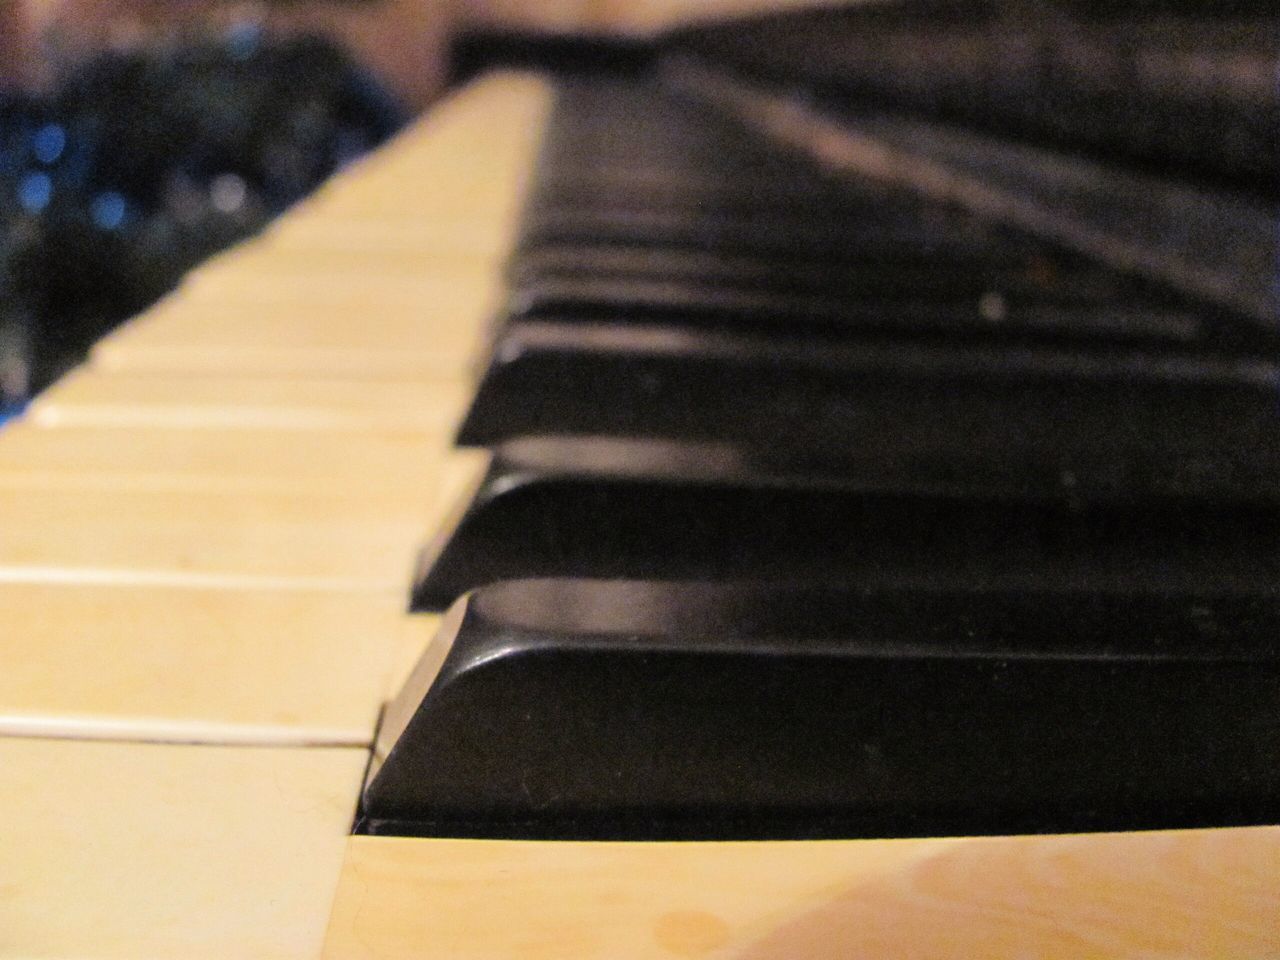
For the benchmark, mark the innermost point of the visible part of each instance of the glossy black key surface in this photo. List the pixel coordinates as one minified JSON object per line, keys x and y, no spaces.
{"x":758,"y":235}
{"x":678,"y":179}
{"x":631,"y":186}
{"x":1187,"y":87}
{"x":866,"y":517}
{"x":591,"y":507}
{"x":990,"y":314}
{"x":1033,"y":275}
{"x":626,"y":710}
{"x":641,"y":380}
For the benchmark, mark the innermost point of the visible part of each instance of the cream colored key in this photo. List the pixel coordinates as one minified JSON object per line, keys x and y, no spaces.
{"x":479,"y":198}
{"x":274,"y":253}
{"x":416,"y":632}
{"x":456,"y":179}
{"x":128,"y":851}
{"x":305,"y":541}
{"x":456,"y":159}
{"x":212,"y":586}
{"x":443,"y":308}
{"x":315,"y":229}
{"x":362,"y":292}
{"x":194,"y":665}
{"x":425,"y":328}
{"x":1162,"y":896}
{"x":411,"y":313}
{"x":96,"y":398}
{"x":208,"y":354}
{"x":433,"y":233}
{"x":332,"y":347}
{"x":397,"y":466}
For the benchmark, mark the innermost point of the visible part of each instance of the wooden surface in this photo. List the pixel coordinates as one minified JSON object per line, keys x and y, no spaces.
{"x":1156,"y":895}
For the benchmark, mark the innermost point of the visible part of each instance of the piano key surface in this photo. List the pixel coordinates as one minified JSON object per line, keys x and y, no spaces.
{"x":295,"y":541}
{"x":87,"y":397}
{"x":228,"y":841}
{"x":386,"y":467}
{"x":196,"y":665}
{"x":1176,"y":355}
{"x":613,"y":709}
{"x":1101,"y":896}
{"x":601,"y":507}
{"x":128,"y":850}
{"x":342,"y":345}
{"x":404,"y":897}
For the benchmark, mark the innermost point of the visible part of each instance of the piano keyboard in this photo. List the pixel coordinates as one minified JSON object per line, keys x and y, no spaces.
{"x":206,"y":534}
{"x":204,"y":548}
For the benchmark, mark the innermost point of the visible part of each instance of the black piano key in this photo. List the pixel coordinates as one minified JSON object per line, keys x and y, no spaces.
{"x":1198,"y":80}
{"x":855,"y":226}
{"x":888,"y":237}
{"x":751,"y":183}
{"x":860,"y":272}
{"x":991,"y":314}
{"x":638,"y":380}
{"x":1034,"y":275}
{"x":625,"y":710}
{"x":603,"y":187}
{"x":591,"y":507}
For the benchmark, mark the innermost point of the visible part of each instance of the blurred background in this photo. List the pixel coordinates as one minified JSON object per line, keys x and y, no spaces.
{"x":137,"y":137}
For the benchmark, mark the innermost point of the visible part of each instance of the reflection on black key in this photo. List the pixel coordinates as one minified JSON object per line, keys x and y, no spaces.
{"x":1033,"y":276}
{"x":1061,"y":407}
{"x":640,"y":711}
{"x":817,"y":509}
{"x":592,"y":507}
{"x":991,"y":315}
{"x":756,"y":236}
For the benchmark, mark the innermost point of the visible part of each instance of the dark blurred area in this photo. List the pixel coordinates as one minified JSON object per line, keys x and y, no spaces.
{"x":130,"y":167}
{"x":1186,"y":88}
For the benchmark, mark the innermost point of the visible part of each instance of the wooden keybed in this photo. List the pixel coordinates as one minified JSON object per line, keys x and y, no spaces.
{"x":205,"y":534}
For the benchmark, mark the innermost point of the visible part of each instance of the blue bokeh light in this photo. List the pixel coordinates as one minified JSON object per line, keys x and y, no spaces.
{"x":35,"y":190}
{"x":49,"y":142}
{"x":108,"y":210}
{"x":243,"y":39}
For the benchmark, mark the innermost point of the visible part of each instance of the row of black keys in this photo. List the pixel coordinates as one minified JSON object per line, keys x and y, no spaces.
{"x":816,"y":511}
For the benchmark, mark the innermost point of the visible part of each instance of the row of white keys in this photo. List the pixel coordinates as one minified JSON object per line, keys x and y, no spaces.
{"x":205,"y":541}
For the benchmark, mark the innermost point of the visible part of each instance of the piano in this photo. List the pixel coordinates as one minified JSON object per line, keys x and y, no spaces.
{"x":789,"y":499}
